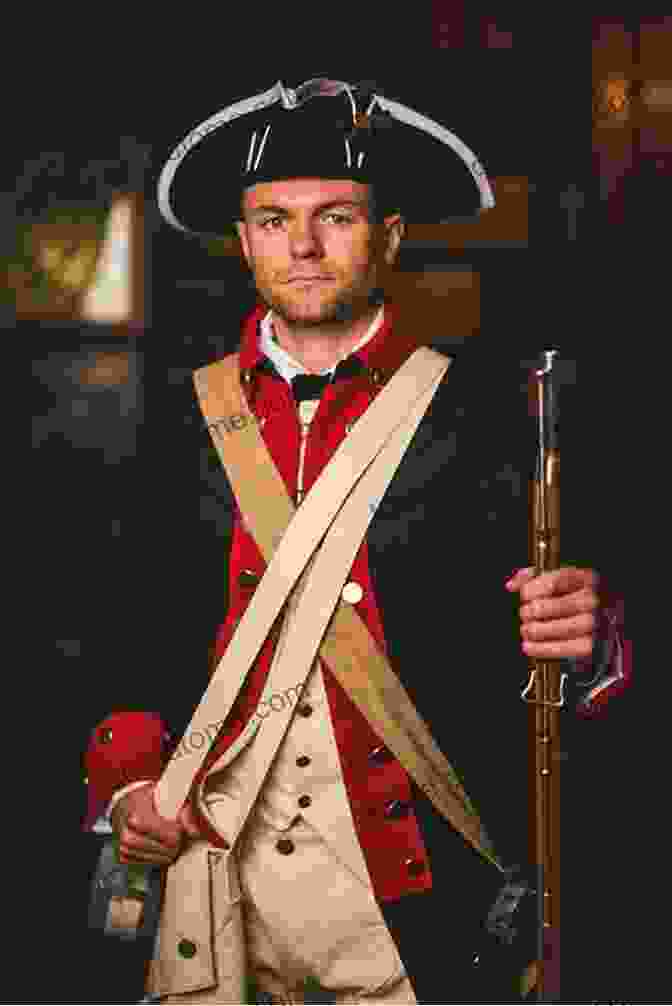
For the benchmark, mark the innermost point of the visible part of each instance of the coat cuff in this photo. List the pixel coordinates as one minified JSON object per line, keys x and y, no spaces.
{"x":609,"y":670}
{"x":126,"y":747}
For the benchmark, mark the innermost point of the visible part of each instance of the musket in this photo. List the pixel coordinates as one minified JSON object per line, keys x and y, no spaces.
{"x":545,"y":692}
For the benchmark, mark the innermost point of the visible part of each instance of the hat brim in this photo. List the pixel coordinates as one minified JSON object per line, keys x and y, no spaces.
{"x":410,"y":170}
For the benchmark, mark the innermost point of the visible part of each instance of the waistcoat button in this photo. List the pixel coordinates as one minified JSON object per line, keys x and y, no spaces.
{"x":397,"y":809}
{"x":305,"y":709}
{"x":303,"y":761}
{"x":248,"y":578}
{"x":105,"y":736}
{"x":186,"y":948}
{"x":305,"y":801}
{"x":380,"y":755}
{"x":414,"y":866}
{"x":352,"y":593}
{"x":285,"y":846}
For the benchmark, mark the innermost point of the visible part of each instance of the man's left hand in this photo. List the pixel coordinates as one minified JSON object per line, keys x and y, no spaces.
{"x":559,"y":611}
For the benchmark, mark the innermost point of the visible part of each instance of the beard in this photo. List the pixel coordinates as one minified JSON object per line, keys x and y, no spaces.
{"x":320,"y":306}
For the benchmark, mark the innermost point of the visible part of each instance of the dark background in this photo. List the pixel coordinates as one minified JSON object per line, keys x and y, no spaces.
{"x":525,"y":112}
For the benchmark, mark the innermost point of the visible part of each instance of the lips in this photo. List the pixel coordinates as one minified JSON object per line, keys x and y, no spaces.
{"x":308,"y":279}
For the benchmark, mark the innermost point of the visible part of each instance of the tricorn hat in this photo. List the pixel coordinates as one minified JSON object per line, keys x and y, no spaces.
{"x":415,"y":165}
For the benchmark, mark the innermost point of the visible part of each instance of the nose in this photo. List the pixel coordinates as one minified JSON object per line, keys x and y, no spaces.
{"x":304,"y":239}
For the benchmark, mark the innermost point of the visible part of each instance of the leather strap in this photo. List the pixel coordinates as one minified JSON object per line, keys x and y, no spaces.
{"x":255,"y":479}
{"x":367,"y":459}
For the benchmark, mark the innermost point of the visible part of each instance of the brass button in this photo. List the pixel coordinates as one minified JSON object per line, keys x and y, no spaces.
{"x":376,"y":376}
{"x":303,"y":761}
{"x":285,"y":846}
{"x":186,"y":948}
{"x":248,"y":578}
{"x":380,"y":755}
{"x":305,"y":709}
{"x":396,"y":809}
{"x":246,"y":376}
{"x":352,"y":593}
{"x":305,"y":801}
{"x":105,"y":736}
{"x":414,"y":866}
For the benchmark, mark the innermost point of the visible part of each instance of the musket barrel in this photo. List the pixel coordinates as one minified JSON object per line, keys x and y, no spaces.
{"x":544,"y":691}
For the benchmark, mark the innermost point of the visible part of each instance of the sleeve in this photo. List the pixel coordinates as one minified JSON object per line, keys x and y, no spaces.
{"x":125,"y":748}
{"x":173,"y":599}
{"x":609,"y":671}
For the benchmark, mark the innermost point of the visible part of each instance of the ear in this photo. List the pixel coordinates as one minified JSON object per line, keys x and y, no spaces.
{"x":395,"y":229}
{"x":241,"y":227}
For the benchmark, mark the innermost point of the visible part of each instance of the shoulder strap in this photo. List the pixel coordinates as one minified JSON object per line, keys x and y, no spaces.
{"x":271,"y":515}
{"x":369,"y":460}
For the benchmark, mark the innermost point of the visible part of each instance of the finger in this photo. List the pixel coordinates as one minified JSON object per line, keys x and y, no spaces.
{"x":158,"y":828}
{"x":133,"y":840}
{"x":133,"y":857}
{"x":560,"y":649}
{"x":565,"y":580}
{"x":131,"y":850}
{"x":140,"y":843}
{"x":519,"y":577}
{"x":559,"y":628}
{"x":558,"y":607}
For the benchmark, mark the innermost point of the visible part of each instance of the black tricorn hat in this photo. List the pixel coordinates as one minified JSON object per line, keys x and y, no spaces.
{"x":415,"y":165}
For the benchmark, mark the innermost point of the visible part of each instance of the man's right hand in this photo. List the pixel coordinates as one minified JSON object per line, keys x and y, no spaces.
{"x":144,"y":836}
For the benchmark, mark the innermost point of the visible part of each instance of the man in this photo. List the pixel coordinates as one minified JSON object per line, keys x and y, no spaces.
{"x":347,"y":875}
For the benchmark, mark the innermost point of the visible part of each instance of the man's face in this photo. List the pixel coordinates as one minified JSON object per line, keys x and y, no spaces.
{"x":315,"y":254}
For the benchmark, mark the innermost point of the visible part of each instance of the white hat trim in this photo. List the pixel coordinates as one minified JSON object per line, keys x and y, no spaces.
{"x":291,"y":99}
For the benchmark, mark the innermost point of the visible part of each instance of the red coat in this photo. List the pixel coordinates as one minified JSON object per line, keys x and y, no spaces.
{"x":136,"y":746}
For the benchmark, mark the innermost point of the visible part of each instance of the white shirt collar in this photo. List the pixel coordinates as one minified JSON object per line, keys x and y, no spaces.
{"x":286,"y":365}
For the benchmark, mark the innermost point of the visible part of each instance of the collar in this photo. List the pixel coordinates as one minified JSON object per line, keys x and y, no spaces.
{"x":286,"y":365}
{"x":381,"y":355}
